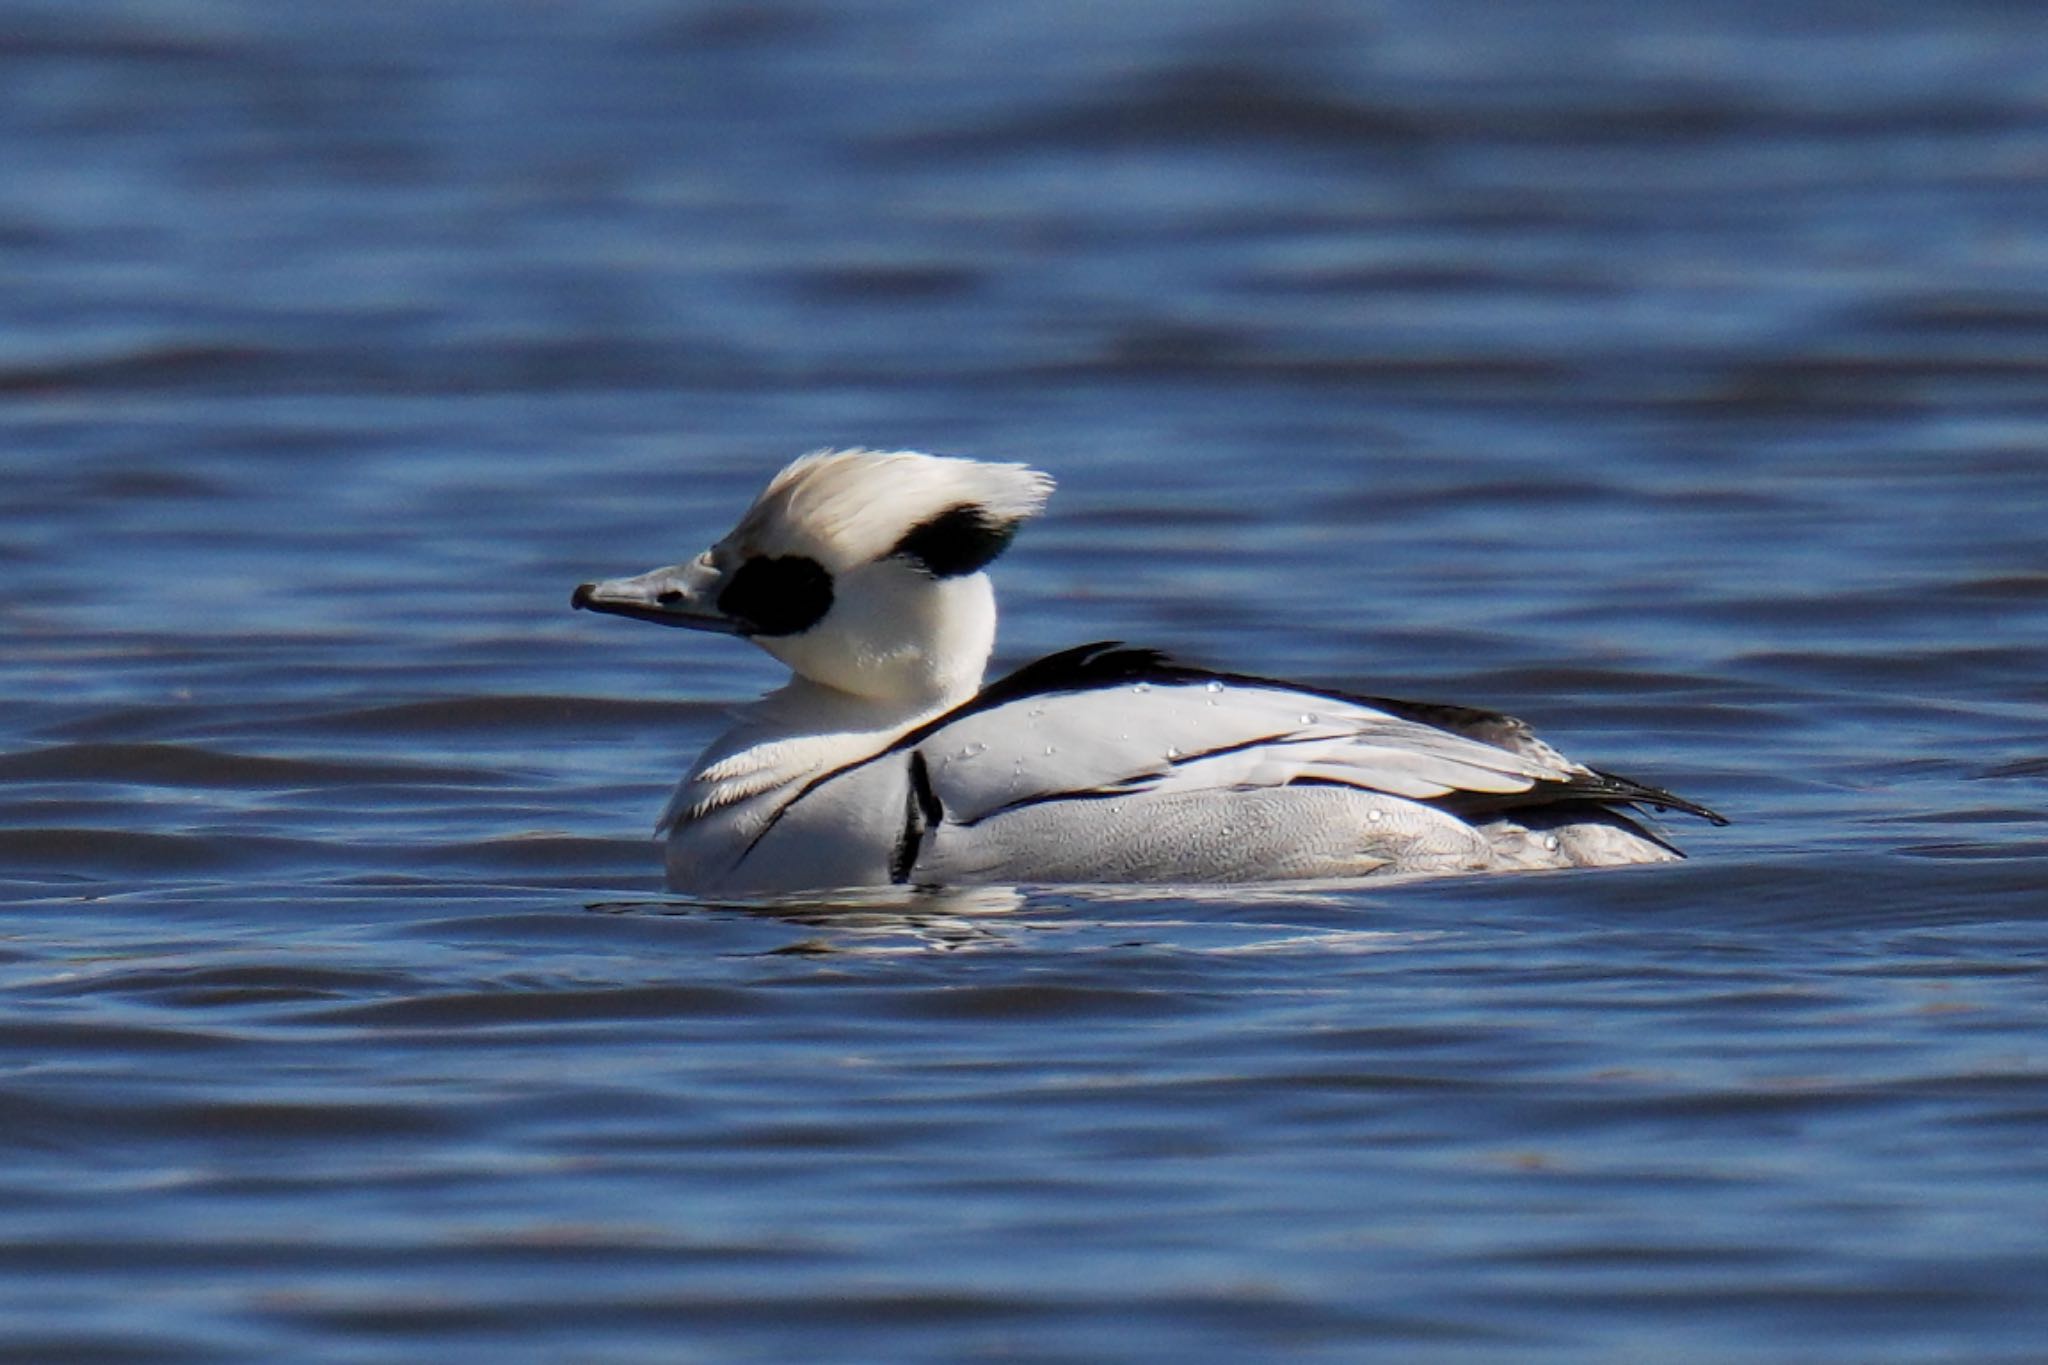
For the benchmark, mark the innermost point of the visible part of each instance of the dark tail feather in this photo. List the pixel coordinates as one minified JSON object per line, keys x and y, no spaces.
{"x":1614,"y":787}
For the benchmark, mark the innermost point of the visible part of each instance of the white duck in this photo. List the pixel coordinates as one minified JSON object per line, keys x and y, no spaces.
{"x":885,"y":760}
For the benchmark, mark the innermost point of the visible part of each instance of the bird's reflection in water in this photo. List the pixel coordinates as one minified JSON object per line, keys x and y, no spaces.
{"x":870,"y":920}
{"x":887,"y":920}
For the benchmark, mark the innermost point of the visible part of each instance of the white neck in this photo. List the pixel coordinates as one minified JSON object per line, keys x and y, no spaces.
{"x":896,"y":637}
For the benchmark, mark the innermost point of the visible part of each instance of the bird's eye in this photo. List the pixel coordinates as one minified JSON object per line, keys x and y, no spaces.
{"x":668,"y":597}
{"x":782,"y":596}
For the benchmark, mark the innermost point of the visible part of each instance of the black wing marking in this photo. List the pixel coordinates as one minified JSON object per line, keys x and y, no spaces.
{"x":1108,"y":663}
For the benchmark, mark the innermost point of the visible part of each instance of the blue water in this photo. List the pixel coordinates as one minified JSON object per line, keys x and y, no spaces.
{"x":1670,"y":374}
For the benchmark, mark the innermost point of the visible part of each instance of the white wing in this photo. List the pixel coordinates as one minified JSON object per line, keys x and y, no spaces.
{"x":1170,"y":730}
{"x":1114,"y":764}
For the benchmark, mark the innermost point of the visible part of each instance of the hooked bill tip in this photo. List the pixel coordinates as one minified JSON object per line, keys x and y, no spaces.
{"x":580,"y":599}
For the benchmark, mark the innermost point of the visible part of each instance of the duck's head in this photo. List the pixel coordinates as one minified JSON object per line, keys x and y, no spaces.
{"x":861,"y":570}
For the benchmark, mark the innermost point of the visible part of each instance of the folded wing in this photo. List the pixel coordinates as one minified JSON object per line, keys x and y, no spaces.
{"x":1103,"y":721}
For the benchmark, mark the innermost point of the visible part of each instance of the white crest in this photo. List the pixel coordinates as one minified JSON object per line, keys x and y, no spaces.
{"x":847,"y":507}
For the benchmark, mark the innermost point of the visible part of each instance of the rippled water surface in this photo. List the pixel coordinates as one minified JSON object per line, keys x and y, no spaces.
{"x":1674,"y":375}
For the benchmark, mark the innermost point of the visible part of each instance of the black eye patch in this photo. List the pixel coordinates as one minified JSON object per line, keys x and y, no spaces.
{"x":783,"y":596}
{"x":958,"y":540}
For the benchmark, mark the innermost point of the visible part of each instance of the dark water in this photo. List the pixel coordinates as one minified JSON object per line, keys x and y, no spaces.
{"x":1675,"y":375}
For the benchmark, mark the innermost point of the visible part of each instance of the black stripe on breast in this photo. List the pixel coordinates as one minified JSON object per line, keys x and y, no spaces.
{"x":921,"y":811}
